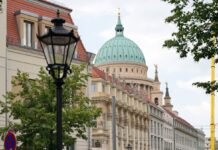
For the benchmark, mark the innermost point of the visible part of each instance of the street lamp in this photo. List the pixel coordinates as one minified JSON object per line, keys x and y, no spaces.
{"x":129,"y":147}
{"x":58,"y":46}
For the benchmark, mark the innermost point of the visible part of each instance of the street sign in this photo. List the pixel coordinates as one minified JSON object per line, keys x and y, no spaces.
{"x":10,"y":141}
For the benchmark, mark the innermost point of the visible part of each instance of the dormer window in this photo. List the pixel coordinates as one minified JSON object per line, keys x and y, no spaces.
{"x":28,"y":34}
{"x":27,"y":23}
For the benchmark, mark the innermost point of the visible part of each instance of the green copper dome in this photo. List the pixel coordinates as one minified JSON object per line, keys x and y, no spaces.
{"x":119,"y":49}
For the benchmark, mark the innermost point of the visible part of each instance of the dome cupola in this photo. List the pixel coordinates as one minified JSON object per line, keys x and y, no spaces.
{"x":119,"y":49}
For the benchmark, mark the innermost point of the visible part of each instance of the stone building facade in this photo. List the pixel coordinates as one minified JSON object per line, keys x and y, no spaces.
{"x":200,"y":140}
{"x":121,"y":71}
{"x":156,"y":127}
{"x":168,"y":131}
{"x":21,"y":21}
{"x":131,"y":114}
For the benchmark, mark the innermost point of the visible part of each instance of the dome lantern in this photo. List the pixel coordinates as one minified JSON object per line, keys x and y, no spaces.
{"x":119,"y":27}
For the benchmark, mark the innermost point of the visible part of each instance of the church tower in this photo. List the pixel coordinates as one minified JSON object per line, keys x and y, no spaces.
{"x":167,"y":100}
{"x":156,"y":93}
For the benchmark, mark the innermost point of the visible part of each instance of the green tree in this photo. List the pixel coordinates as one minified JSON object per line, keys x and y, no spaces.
{"x":33,"y":110}
{"x":197,"y":23}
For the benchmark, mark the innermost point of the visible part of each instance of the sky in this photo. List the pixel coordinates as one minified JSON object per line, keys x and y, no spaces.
{"x":143,"y":22}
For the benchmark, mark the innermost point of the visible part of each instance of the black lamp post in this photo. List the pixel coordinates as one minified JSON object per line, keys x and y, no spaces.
{"x":129,"y":147}
{"x":58,"y":46}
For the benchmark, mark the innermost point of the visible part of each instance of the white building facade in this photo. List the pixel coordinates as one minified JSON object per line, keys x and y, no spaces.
{"x":131,"y":114}
{"x":168,"y":131}
{"x":156,"y":127}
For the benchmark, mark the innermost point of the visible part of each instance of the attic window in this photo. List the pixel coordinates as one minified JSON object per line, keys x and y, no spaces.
{"x":28,"y":34}
{"x":27,"y":28}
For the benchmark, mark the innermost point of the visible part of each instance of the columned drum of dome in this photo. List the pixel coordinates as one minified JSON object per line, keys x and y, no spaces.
{"x":119,"y":50}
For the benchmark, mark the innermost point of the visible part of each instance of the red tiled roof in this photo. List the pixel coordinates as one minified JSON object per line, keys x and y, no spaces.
{"x":82,"y":53}
{"x":179,"y":118}
{"x":41,"y":10}
{"x":97,"y":73}
{"x":50,"y":3}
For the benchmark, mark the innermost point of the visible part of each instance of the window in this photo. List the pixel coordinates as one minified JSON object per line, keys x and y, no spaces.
{"x":107,"y":70}
{"x":28,"y":26}
{"x":28,"y":34}
{"x":120,"y":69}
{"x":126,"y":69}
{"x":94,"y":88}
{"x":156,"y":101}
{"x":97,"y":144}
{"x":103,"y":88}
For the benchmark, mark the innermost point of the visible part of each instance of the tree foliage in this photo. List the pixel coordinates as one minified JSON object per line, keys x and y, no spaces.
{"x":33,"y":110}
{"x":197,"y":23}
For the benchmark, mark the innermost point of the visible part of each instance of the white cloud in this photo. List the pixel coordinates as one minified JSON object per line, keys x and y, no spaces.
{"x":202,"y":110}
{"x":187,"y":85}
{"x":107,"y":33}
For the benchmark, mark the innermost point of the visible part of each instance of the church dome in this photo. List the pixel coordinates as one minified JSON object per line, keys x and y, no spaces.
{"x":119,"y":49}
